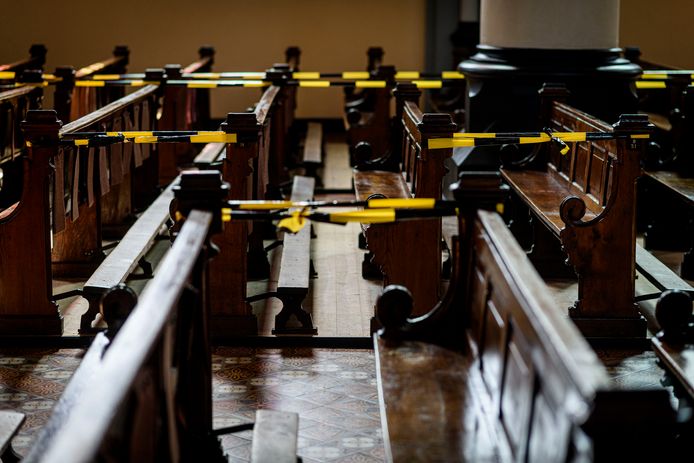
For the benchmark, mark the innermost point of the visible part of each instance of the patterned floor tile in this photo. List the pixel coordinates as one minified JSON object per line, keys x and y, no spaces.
{"x":332,"y":390}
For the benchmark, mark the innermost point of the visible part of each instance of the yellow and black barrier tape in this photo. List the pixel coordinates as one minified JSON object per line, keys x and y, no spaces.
{"x":423,"y":84}
{"x":294,"y":221}
{"x":94,"y":139}
{"x":398,"y":203}
{"x":11,"y":75}
{"x":463,"y":139}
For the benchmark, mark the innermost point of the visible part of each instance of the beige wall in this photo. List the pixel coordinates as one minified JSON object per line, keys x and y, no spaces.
{"x":248,"y":35}
{"x":662,"y":29}
{"x":251,"y":35}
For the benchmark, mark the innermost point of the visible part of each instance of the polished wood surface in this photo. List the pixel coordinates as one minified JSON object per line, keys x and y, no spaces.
{"x":419,"y":173}
{"x":313,"y":145}
{"x":127,"y":255}
{"x":510,"y":385}
{"x":295,"y":268}
{"x":681,"y":186}
{"x":137,"y":407}
{"x":587,"y":199}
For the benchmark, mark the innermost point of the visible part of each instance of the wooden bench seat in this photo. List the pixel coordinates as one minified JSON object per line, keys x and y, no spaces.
{"x":120,"y":263}
{"x":211,"y":152}
{"x":367,"y":118}
{"x":254,"y":169}
{"x":295,"y":268}
{"x":145,"y":392}
{"x":496,"y":373}
{"x":416,"y":172}
{"x":586,"y":200}
{"x":312,"y":153}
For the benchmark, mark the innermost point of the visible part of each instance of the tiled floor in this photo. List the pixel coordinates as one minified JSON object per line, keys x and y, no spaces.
{"x":333,"y":390}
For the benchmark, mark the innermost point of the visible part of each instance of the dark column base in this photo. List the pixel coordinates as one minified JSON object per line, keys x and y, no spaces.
{"x":503,"y":86}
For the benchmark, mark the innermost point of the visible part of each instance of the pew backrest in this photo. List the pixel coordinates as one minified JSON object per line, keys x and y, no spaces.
{"x":137,"y":408}
{"x":14,"y":105}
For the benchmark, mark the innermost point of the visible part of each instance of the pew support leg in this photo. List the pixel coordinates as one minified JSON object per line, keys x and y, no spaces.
{"x":291,"y":305}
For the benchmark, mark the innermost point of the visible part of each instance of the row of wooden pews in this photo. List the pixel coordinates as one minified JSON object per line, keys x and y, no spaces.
{"x":143,"y":391}
{"x":497,"y":373}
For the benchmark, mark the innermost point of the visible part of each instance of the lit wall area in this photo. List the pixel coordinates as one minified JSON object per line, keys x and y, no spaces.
{"x":662,"y":30}
{"x":247,"y":35}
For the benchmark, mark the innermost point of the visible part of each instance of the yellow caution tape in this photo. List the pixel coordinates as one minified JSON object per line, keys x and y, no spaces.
{"x":407,"y":75}
{"x":355,"y":75}
{"x":131,"y":134}
{"x":654,"y":76}
{"x":202,"y":85}
{"x":294,"y":223}
{"x":365,"y":216}
{"x":306,"y":75}
{"x":214,"y":138}
{"x":31,"y":84}
{"x":452,"y":75}
{"x":428,"y":83}
{"x":647,"y":84}
{"x":500,"y":208}
{"x":206,"y":75}
{"x":106,"y":77}
{"x":314,"y":83}
{"x":370,"y":84}
{"x":256,"y":83}
{"x":90,"y":83}
{"x":407,"y":203}
{"x":84,"y":142}
{"x":570,"y":136}
{"x":443,"y":143}
{"x":10,"y":75}
{"x":641,"y":135}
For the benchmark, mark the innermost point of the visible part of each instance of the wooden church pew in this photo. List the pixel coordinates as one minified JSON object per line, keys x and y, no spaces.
{"x":495,"y":372}
{"x":419,"y":173}
{"x":74,"y":102}
{"x":144,"y":389}
{"x":251,"y":168}
{"x":367,"y":118}
{"x":586,"y":200}
{"x":183,"y":109}
{"x":36,"y":60}
{"x":62,"y":210}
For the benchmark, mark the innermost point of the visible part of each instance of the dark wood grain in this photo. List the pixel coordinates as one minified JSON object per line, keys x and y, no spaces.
{"x":587,"y":200}
{"x":517,"y":383}
{"x":419,"y":173}
{"x":136,"y":373}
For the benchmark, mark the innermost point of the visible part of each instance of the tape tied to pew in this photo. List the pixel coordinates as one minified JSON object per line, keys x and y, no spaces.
{"x":379,"y":203}
{"x":464,"y":139}
{"x":294,"y":221}
{"x":94,"y":139}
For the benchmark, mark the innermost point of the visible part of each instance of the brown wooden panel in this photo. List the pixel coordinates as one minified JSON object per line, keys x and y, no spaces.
{"x":517,"y":391}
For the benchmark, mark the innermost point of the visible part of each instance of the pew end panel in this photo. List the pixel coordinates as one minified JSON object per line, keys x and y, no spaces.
{"x":27,"y":305}
{"x":517,"y":383}
{"x":420,"y":176}
{"x":587,"y":200}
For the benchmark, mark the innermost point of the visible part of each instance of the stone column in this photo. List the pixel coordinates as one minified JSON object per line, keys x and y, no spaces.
{"x":525,"y":43}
